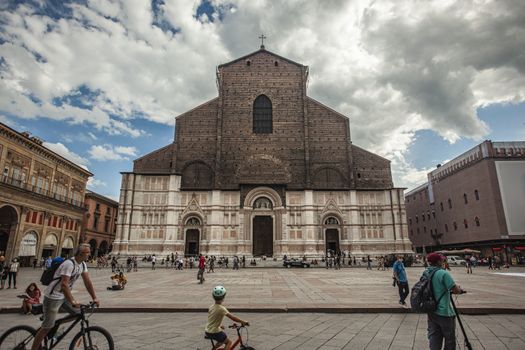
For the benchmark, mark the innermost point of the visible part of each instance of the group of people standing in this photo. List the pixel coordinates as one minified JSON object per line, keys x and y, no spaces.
{"x":8,"y":272}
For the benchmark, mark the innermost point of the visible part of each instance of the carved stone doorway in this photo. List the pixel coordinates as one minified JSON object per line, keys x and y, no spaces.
{"x":332,"y":239}
{"x":263,"y":235}
{"x":192,"y":243}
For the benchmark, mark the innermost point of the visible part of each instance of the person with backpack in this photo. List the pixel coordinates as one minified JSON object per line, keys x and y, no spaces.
{"x":58,"y":291}
{"x":441,"y":321}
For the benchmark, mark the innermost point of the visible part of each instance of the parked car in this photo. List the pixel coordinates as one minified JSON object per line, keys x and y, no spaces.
{"x":295,"y":263}
{"x":456,"y":260}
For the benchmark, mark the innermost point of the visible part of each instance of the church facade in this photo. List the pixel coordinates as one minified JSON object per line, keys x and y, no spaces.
{"x":262,"y":169}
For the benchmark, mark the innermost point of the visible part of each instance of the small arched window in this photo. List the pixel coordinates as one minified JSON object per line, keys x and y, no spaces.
{"x":477,"y":221}
{"x":465,"y":222}
{"x":262,"y":115}
{"x":331,"y":221}
{"x":455,"y":226}
{"x":446,"y":227}
{"x":476,"y":193}
{"x":465,"y":198}
{"x":262,"y":203}
{"x":449,"y":203}
{"x":193,"y":221}
{"x":248,"y":63}
{"x":441,"y":206}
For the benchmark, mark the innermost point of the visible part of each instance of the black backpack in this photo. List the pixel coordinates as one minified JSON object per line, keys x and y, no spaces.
{"x":49,"y":273}
{"x":422,"y":297}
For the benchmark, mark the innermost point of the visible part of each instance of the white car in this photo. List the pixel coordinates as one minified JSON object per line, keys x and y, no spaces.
{"x":456,"y":260}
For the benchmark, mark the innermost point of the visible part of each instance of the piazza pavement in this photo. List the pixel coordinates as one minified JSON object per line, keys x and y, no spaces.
{"x":351,"y":308}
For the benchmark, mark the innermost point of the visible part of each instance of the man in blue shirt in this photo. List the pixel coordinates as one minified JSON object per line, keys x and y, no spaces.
{"x":442,"y":322}
{"x":400,"y":276}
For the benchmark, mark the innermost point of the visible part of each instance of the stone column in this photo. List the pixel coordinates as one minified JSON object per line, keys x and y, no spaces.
{"x":16,"y":233}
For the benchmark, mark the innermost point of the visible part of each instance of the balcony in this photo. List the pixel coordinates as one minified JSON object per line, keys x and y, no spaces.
{"x":18,"y":183}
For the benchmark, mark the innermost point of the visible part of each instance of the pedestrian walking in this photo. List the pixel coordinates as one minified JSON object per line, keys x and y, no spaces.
{"x":468,"y":265}
{"x":400,"y":275}
{"x":235,"y":262}
{"x":202,"y":267}
{"x":135,"y":264}
{"x":153,"y":261}
{"x":368,"y":262}
{"x":13,"y":272}
{"x":442,"y":322}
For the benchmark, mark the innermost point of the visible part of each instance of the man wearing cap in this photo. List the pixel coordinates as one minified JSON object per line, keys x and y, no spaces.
{"x":442,"y":322}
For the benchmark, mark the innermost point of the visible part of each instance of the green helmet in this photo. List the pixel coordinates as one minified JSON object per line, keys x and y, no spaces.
{"x":219,"y":292}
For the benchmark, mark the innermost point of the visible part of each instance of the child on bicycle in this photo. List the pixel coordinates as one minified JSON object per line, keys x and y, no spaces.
{"x":216,"y":313}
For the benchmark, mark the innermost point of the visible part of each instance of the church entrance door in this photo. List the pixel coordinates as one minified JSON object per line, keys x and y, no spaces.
{"x":192,"y":243}
{"x":262,"y":236}
{"x":332,"y":239}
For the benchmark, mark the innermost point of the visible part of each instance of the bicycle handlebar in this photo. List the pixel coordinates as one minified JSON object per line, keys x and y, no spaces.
{"x":236,"y":326}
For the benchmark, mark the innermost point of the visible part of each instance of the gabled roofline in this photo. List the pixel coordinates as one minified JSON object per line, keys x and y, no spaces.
{"x":194,"y":108}
{"x":262,"y":49}
{"x":375,"y":154}
{"x":155,"y":151}
{"x":325,"y":106}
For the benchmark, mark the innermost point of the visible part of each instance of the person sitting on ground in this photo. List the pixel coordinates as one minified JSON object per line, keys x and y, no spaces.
{"x":214,"y":329}
{"x":30,"y":298}
{"x":118,"y":281}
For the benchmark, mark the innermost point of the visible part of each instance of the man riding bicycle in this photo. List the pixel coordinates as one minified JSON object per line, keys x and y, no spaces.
{"x":58,"y":292}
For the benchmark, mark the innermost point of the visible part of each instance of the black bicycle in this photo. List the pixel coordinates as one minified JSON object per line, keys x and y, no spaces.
{"x":88,"y":338}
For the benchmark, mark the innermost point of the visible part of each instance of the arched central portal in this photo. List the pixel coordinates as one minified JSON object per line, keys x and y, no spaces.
{"x":332,"y":240}
{"x":262,"y":235}
{"x":192,"y":242}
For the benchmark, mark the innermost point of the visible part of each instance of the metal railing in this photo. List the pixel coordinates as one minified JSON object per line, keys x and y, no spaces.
{"x":19,"y":183}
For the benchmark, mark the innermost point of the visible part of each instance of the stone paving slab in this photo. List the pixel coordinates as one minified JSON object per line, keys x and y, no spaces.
{"x":285,"y":290}
{"x":306,"y":331}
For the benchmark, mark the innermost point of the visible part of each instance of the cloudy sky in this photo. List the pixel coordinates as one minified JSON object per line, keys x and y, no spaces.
{"x":101,"y":81}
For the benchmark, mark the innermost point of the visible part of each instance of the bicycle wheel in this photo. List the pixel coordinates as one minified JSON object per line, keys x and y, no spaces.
{"x":95,"y":338}
{"x":18,"y":338}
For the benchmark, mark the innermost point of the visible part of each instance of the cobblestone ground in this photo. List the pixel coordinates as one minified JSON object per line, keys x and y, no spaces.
{"x":266,"y":288}
{"x":303,"y":331}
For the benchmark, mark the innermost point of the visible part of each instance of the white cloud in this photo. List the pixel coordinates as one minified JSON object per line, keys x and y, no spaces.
{"x":66,"y":153}
{"x":394,"y":67}
{"x":130,"y":151}
{"x":95,"y":183}
{"x":109,"y":152}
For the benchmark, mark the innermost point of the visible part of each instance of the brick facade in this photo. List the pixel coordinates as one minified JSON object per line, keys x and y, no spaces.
{"x":220,"y":164}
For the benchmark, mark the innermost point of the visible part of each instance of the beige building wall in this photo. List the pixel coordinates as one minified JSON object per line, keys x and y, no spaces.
{"x":155,"y":216}
{"x":41,"y":198}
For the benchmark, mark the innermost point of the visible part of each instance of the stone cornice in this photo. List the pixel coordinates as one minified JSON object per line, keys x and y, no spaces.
{"x":42,"y":151}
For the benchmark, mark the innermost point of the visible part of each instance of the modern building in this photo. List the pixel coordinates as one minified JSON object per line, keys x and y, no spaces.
{"x":476,"y":200}
{"x":261,"y":170}
{"x":100,"y":223}
{"x":41,"y":198}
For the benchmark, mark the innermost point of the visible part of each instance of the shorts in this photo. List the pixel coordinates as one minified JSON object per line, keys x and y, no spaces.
{"x":218,"y":337}
{"x":51,"y":307}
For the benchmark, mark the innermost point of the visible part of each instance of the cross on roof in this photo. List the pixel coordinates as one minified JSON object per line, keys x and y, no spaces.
{"x":262,"y":37}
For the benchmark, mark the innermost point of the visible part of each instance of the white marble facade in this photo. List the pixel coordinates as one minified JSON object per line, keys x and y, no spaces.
{"x":156,"y":217}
